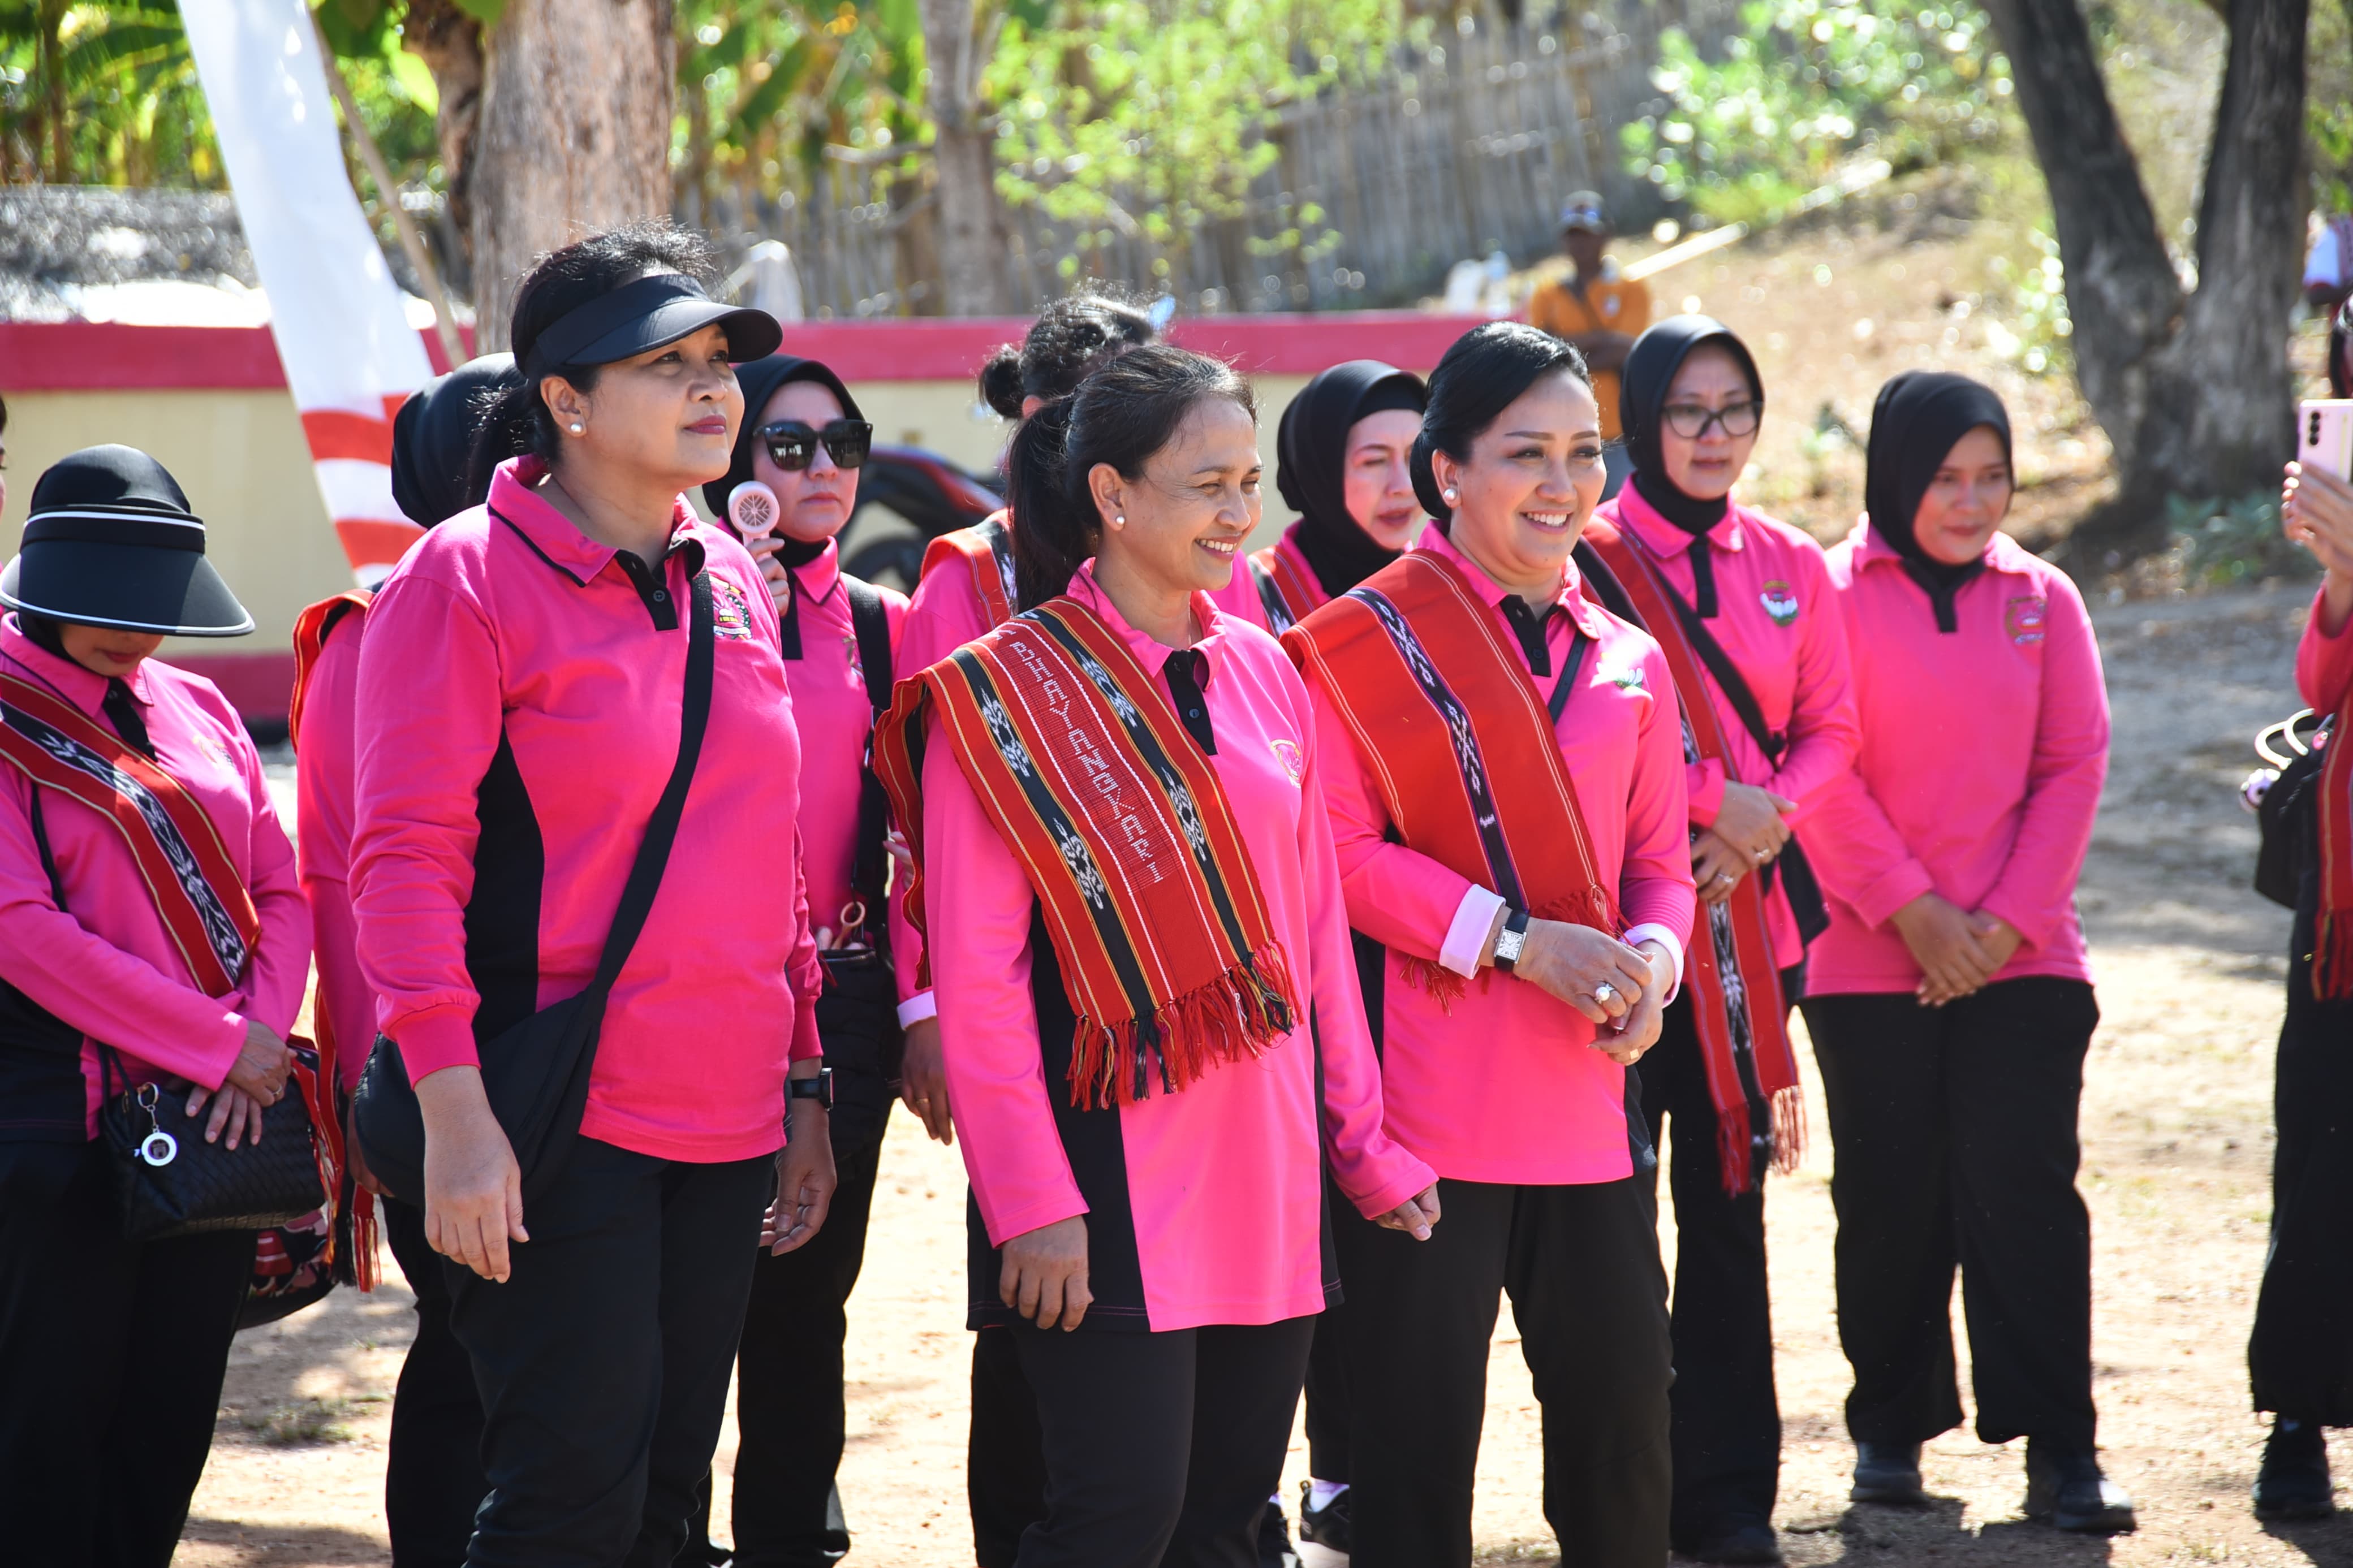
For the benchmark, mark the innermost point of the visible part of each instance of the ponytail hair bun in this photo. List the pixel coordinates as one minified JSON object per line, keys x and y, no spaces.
{"x":1073,"y":337}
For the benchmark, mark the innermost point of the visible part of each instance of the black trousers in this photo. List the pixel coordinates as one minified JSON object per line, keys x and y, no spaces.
{"x":1727,"y":1415}
{"x":1582,"y":1266}
{"x":433,"y":1473}
{"x":1954,"y":1130}
{"x":1329,"y":1410}
{"x":1161,"y":1448}
{"x":2300,"y":1356}
{"x":791,"y":1419}
{"x":111,"y":1357}
{"x":1004,"y":1466}
{"x":603,"y":1361}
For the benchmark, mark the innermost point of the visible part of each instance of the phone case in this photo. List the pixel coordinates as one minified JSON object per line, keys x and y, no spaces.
{"x":2324,"y":435}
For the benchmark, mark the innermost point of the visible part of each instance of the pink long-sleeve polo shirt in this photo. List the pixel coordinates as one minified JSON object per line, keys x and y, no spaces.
{"x":1214,"y":1213}
{"x":2324,"y":659}
{"x":1506,"y":1086}
{"x":522,"y":686}
{"x":1777,"y":620}
{"x":835,"y":721}
{"x":323,"y":789}
{"x":105,"y":964}
{"x":1983,"y":753}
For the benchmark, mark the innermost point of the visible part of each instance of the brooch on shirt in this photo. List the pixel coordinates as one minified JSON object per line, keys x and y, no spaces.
{"x":2022,"y":618}
{"x":1780,"y":602}
{"x":1293,"y":761}
{"x":731,"y":613}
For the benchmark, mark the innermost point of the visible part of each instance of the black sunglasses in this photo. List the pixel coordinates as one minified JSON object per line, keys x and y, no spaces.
{"x":792,"y":445}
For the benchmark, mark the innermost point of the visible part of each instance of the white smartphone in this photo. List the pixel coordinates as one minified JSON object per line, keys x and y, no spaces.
{"x":2324,"y":435}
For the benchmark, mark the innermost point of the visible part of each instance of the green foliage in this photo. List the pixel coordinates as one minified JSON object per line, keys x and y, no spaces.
{"x":2328,"y":104}
{"x":101,"y":95}
{"x":1807,"y":84}
{"x":2037,"y":334}
{"x":1152,"y":116}
{"x":2221,"y":542}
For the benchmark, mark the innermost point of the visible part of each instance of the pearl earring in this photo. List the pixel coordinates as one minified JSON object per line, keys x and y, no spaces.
{"x":1119,"y":520}
{"x":578,"y":428}
{"x":1450,"y":496}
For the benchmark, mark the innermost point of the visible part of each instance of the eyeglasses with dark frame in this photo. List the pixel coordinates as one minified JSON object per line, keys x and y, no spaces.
{"x":792,"y":444}
{"x":1690,"y":421}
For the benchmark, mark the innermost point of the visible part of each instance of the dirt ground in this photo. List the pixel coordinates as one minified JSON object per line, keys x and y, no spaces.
{"x":2177,"y":1151}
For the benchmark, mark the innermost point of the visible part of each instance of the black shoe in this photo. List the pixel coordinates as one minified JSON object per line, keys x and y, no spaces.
{"x":1750,"y":1541}
{"x":1888,"y":1473}
{"x":1327,"y":1526}
{"x":2294,"y":1481}
{"x":2066,"y":1489}
{"x":1274,"y":1539}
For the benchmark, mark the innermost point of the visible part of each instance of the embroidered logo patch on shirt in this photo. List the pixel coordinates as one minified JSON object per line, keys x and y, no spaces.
{"x":731,"y":613}
{"x":1293,"y":761}
{"x":1629,"y":678}
{"x":2022,"y":618}
{"x":1780,"y":602}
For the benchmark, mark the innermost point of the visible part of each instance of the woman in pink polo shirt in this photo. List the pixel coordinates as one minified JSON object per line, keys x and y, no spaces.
{"x":112,"y":1353}
{"x":1504,"y":771}
{"x":1133,"y":909}
{"x":801,"y":445}
{"x":524,"y":680}
{"x":1950,"y":1001}
{"x":433,"y":1473}
{"x":2300,"y":1349}
{"x":1733,"y":595}
{"x":966,"y":589}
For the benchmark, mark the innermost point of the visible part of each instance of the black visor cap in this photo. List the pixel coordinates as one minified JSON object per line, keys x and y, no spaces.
{"x":640,"y":317}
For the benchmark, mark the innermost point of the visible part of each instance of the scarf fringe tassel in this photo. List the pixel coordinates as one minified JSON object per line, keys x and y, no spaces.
{"x":1237,"y":1015}
{"x":1735,"y":1147}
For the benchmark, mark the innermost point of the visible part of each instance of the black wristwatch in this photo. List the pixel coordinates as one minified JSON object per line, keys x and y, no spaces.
{"x":820,"y":1088}
{"x":1511,"y":940}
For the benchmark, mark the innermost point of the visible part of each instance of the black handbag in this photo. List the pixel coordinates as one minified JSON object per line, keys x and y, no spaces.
{"x":535,"y":1074}
{"x":172,"y":1183}
{"x":2283,"y":796}
{"x":857,"y":1011}
{"x":169,"y":1180}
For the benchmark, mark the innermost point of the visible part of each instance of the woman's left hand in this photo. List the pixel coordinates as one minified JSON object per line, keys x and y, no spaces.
{"x":1625,"y":1041}
{"x":1415,"y":1215}
{"x":1717,"y":866}
{"x":780,"y":583}
{"x":805,"y":1181}
{"x":234,"y":1110}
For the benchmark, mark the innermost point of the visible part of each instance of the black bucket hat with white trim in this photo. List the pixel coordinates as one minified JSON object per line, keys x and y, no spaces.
{"x":112,"y":542}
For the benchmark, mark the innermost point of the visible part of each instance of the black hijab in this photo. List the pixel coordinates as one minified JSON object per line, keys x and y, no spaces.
{"x":433,"y":438}
{"x":1913,"y":425}
{"x":1649,"y":371}
{"x":1311,"y":448}
{"x":760,"y":379}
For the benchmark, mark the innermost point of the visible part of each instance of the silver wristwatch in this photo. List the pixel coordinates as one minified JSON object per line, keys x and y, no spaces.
{"x":1511,"y":940}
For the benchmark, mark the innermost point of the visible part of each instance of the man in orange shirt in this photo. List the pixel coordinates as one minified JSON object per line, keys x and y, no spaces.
{"x":1596,"y":309}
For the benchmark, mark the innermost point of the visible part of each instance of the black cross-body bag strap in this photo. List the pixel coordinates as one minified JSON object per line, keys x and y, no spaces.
{"x":661,"y":829}
{"x":1795,"y":871}
{"x":872,"y":621}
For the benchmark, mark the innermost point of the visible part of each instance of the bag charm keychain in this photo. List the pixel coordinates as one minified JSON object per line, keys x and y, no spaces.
{"x":159,"y":1148}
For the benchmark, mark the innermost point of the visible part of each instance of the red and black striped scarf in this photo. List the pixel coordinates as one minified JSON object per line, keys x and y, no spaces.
{"x":1462,"y":751}
{"x":1117,"y":815}
{"x":987,"y":550}
{"x":312,"y":630}
{"x":1288,"y":589}
{"x":1737,"y":1008}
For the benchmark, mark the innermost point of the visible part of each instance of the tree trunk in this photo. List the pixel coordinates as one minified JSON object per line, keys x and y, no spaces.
{"x":974,"y":278}
{"x":573,"y":136}
{"x":2192,"y":391}
{"x":450,"y":42}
